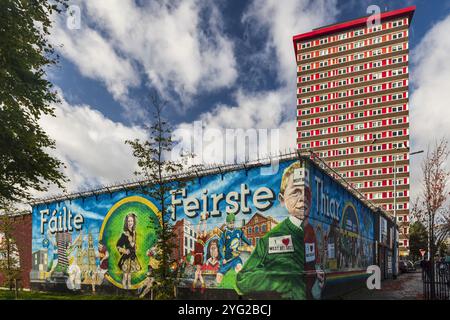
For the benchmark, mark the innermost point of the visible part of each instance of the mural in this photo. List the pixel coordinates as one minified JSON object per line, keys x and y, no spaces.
{"x":289,"y":234}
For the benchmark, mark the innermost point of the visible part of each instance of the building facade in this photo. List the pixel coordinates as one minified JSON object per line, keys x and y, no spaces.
{"x":185,"y":237}
{"x":352,"y":105}
{"x":257,"y":227}
{"x":22,"y":239}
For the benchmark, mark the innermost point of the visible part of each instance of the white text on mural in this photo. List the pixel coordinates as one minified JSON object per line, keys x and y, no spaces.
{"x":62,"y":221}
{"x":326,"y":205}
{"x":263,"y":199}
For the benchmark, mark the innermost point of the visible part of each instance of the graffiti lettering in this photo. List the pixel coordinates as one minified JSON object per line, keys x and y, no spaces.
{"x":62,"y":221}
{"x":263,"y":199}
{"x":326,"y":205}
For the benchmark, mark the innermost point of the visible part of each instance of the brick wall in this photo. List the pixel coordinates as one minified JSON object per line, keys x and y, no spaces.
{"x":22,"y":236}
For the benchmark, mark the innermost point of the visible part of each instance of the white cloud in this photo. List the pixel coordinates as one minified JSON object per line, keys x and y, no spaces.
{"x":272,"y":109}
{"x":96,"y":59}
{"x":429,"y":112}
{"x":283,"y":20}
{"x":92,"y":146}
{"x":178,"y":45}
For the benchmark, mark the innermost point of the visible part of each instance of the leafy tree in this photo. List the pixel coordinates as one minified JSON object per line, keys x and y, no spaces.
{"x":9,"y":253}
{"x":25,"y":96}
{"x":430,"y":207}
{"x":155,"y":168}
{"x":418,"y":239}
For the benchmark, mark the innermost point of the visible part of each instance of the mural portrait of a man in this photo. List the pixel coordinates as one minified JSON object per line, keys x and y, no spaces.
{"x":278,"y":262}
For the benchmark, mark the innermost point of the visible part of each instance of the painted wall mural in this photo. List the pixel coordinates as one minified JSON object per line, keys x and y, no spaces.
{"x":289,"y":234}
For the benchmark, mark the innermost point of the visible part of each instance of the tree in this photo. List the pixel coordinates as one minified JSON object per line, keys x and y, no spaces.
{"x":155,"y":167}
{"x":25,"y":96}
{"x":429,"y":208}
{"x":9,"y":253}
{"x":418,"y":237}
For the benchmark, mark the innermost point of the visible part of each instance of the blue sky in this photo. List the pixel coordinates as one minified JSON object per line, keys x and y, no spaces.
{"x":230,"y":64}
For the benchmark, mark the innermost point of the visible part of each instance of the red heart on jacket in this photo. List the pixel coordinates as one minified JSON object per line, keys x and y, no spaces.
{"x":285,"y":241}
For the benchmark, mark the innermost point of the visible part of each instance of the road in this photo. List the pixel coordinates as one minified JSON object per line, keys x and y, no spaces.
{"x":407,"y":286}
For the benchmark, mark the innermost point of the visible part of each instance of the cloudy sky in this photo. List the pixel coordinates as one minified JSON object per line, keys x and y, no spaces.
{"x":229,"y":64}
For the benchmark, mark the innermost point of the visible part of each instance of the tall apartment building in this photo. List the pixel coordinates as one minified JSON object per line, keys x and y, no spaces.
{"x":352,"y":105}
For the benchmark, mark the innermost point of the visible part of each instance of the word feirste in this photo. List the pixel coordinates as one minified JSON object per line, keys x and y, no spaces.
{"x":262,"y":198}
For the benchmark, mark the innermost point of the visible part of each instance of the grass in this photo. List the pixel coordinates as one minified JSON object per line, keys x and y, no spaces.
{"x":36,"y":295}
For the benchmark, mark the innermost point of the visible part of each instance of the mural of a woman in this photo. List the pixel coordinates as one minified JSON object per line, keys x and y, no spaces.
{"x":126,"y":245}
{"x":212,"y":257}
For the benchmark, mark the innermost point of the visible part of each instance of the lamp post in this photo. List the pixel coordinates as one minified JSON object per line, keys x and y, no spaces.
{"x":396,"y":254}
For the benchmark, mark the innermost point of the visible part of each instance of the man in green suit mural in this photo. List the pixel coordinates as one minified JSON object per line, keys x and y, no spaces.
{"x":278,"y":261}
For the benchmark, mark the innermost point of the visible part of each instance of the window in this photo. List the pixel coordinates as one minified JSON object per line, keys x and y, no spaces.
{"x":306,"y":45}
{"x":376,"y":100}
{"x":397,"y":72}
{"x":397,"y":121}
{"x":359,"y":44}
{"x":396,"y":60}
{"x":359,"y":32}
{"x":359,"y":67}
{"x":263,"y":228}
{"x":397,"y":48}
{"x":376,"y":76}
{"x":359,"y":79}
{"x":308,"y":78}
{"x":397,"y":96}
{"x":377,"y":112}
{"x":358,"y":56}
{"x":377,"y":52}
{"x":397,"y":35}
{"x":376,"y":124}
{"x":376,"y":40}
{"x":377,"y":28}
{"x":377,"y":88}
{"x":256,"y":229}
{"x":358,"y":91}
{"x":376,"y":64}
{"x":323,"y":52}
{"x":397,"y":23}
{"x":306,"y":67}
{"x":397,"y":84}
{"x":323,"y":41}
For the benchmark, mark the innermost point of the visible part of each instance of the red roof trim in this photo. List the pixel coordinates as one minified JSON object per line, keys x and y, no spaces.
{"x":351,"y":24}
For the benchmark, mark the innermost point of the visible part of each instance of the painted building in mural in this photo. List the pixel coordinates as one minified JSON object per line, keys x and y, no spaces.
{"x":293,"y":234}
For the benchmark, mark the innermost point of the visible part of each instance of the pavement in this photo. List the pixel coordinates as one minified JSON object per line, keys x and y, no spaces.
{"x":407,"y":286}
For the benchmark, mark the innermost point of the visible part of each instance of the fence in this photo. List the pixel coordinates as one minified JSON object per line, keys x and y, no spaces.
{"x":436,"y":281}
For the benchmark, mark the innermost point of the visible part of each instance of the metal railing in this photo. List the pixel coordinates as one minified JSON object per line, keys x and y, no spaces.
{"x":436,"y":281}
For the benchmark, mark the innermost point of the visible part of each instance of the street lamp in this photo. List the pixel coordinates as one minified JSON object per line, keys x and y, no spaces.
{"x":395,"y":205}
{"x":395,"y":202}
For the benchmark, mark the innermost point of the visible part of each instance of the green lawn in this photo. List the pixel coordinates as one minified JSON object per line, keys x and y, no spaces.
{"x":34,"y":295}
